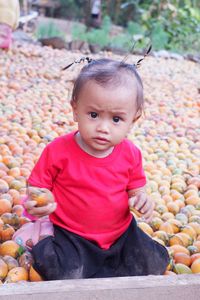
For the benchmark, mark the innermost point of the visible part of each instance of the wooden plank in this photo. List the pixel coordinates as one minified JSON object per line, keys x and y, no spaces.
{"x":126,"y":288}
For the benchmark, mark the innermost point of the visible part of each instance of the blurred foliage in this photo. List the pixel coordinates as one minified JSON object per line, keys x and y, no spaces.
{"x":49,"y":30}
{"x":173,"y":25}
{"x":103,"y":37}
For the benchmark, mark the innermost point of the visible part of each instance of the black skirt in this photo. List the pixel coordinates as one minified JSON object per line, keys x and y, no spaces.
{"x":69,"y":256}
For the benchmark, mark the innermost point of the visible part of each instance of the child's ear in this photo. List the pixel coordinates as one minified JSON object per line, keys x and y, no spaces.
{"x":74,"y":110}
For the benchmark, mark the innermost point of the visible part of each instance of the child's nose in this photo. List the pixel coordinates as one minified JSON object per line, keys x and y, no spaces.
{"x":103,"y":126}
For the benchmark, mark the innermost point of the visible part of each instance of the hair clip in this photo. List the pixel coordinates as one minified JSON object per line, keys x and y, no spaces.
{"x":137,"y":65}
{"x":82,"y":59}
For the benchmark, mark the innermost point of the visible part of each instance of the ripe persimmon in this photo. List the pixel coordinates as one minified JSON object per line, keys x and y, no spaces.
{"x":9,"y":248}
{"x":34,"y":275}
{"x":17,"y":274}
{"x":167,"y":227}
{"x":181,"y":269}
{"x":179,"y":248}
{"x":18,"y":209}
{"x":182,"y":258}
{"x":4,"y":187}
{"x":6,"y":232}
{"x":10,"y":261}
{"x":197,"y":244}
{"x":5,"y":206}
{"x":194,"y":257}
{"x":146,"y":228}
{"x":3,"y":269}
{"x":195,"y":267}
{"x":15,"y":196}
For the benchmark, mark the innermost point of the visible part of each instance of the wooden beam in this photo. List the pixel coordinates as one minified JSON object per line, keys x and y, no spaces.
{"x":181,"y":287}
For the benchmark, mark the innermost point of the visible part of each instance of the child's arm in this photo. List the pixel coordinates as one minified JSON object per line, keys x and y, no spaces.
{"x":40,"y":202}
{"x":139,"y":200}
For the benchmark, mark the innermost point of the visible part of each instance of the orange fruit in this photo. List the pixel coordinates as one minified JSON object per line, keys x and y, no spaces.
{"x":176,"y":225}
{"x":17,"y":274}
{"x":9,"y":248}
{"x":180,"y":203}
{"x":194,"y":219}
{"x":178,"y":249}
{"x":189,"y":230}
{"x":15,"y":172}
{"x":5,"y":206}
{"x":181,"y":269}
{"x":8,"y":179}
{"x":4,"y":187}
{"x":167,"y":227}
{"x":10,"y":261}
{"x":15,"y":196}
{"x":190,"y":193}
{"x":182,"y":258}
{"x":145,"y":227}
{"x":162,"y":235}
{"x":167,"y":216}
{"x":175,"y":240}
{"x":159,"y":241}
{"x":175,"y":195}
{"x":197,"y":244}
{"x":173,"y":207}
{"x":192,"y":200}
{"x":155,"y":223}
{"x":3,"y":269}
{"x":34,"y":275}
{"x":186,"y":239}
{"x":195,"y":267}
{"x":194,"y":257}
{"x":161,"y":208}
{"x":6,"y":232}
{"x":193,"y":249}
{"x":18,"y":209}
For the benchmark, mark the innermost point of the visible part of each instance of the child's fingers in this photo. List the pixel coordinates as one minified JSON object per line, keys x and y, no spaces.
{"x":136,"y":212}
{"x":148,"y":216}
{"x":46,"y":210}
{"x":131,"y":201}
{"x":149,"y":211}
{"x":42,"y":211}
{"x":148,"y":206}
{"x":29,"y":204}
{"x":140,"y":201}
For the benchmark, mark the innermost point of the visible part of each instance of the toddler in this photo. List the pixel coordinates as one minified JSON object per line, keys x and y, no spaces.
{"x":95,"y":175}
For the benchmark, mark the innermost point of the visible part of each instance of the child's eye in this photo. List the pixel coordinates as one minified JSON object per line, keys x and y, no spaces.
{"x":116,"y":119}
{"x":93,"y":114}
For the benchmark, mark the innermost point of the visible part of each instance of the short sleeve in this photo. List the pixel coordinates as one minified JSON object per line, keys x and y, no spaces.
{"x":45,"y":171}
{"x":137,"y":176}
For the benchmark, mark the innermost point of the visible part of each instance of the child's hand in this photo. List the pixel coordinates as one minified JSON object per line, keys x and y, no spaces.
{"x":143,"y":204}
{"x":40,"y":202}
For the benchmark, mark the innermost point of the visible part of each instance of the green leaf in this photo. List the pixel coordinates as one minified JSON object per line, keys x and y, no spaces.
{"x":21,"y":250}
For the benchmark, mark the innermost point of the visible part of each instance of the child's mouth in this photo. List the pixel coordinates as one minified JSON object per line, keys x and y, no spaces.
{"x":101,"y":140}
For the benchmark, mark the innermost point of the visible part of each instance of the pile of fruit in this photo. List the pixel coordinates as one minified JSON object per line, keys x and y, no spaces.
{"x":34,"y":109}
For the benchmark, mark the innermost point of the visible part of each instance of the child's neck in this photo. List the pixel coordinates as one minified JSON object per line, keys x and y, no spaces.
{"x":85,"y":148}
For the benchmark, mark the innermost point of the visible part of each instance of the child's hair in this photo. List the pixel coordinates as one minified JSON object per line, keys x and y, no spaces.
{"x":108,"y":72}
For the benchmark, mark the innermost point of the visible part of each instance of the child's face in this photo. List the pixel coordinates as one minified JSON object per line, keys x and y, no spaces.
{"x":104,"y":115}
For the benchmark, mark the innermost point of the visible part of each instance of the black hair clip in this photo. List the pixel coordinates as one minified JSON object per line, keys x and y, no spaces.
{"x":78,"y":62}
{"x":137,"y":65}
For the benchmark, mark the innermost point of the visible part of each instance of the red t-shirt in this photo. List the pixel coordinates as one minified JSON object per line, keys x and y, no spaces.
{"x":91,"y":193}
